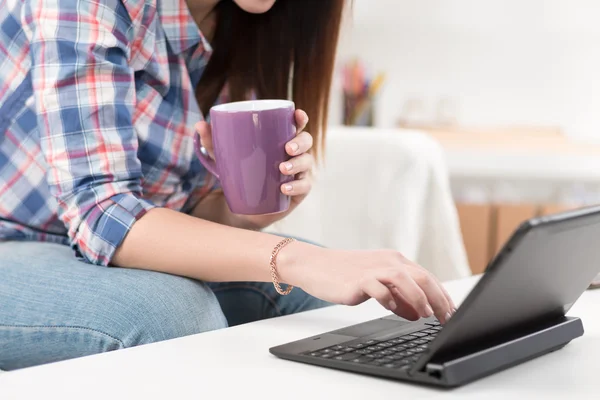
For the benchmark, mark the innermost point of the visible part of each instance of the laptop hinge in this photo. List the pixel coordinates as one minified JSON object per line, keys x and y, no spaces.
{"x":434,"y":370}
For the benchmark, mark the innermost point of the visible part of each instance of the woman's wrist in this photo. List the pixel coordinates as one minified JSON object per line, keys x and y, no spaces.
{"x":291,"y":259}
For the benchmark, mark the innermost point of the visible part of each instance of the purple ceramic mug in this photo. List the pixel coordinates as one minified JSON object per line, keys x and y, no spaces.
{"x":249,"y":140}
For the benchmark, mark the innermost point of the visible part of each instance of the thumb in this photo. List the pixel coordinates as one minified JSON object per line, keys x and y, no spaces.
{"x":204,"y":130}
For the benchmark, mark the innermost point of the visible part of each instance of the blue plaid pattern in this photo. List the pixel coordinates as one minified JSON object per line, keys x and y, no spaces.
{"x":97,"y":111}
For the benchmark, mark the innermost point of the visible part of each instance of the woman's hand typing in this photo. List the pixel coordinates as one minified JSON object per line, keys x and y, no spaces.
{"x":352,"y":277}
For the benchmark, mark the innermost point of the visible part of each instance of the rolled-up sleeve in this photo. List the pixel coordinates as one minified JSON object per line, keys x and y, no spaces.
{"x":85,"y":99}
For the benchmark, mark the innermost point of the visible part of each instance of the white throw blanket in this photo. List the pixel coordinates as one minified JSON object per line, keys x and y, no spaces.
{"x":383,"y":189}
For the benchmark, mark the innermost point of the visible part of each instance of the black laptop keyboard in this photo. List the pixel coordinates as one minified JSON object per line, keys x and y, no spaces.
{"x":399,"y":353}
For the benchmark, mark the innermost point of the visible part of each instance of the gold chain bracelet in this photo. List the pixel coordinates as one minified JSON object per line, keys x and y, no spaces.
{"x":273,"y":265}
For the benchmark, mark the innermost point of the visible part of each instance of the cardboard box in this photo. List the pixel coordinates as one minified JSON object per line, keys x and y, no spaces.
{"x":476,"y":226}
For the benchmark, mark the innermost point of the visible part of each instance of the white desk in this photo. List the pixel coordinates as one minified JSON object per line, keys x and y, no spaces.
{"x":235,"y":363}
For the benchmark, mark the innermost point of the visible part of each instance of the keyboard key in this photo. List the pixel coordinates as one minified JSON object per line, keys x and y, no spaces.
{"x":414,"y":358}
{"x":423,"y":347}
{"x":346,"y":357}
{"x":375,"y":348}
{"x":327,"y":351}
{"x":409,"y":352}
{"x":387,"y":359}
{"x":430,"y":331}
{"x":315,"y":354}
{"x":433,"y":323}
{"x":397,"y":341}
{"x":386,"y":344}
{"x":419,"y":334}
{"x":399,"y":348}
{"x":370,"y":342}
{"x":429,"y":338}
{"x":396,"y":357}
{"x":347,"y":349}
{"x":338,"y":347}
{"x":363,"y":351}
{"x":327,"y":355}
{"x":361,"y":360}
{"x":337,"y":353}
{"x":420,"y":341}
{"x":380,"y":353}
{"x":403,"y":354}
{"x":410,"y":345}
{"x":371,"y":356}
{"x":418,"y":349}
{"x":397,"y":364}
{"x":358,"y":346}
{"x":387,"y":352}
{"x":407,"y":337}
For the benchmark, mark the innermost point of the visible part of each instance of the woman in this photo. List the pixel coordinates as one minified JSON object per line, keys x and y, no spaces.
{"x":113,"y":235}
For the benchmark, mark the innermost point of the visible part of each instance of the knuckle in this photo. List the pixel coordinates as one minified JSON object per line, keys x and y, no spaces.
{"x":421,"y":300}
{"x":363,"y":282}
{"x":307,"y":184}
{"x":393,"y":258}
{"x":423,"y":278}
{"x":309,"y":139}
{"x":398,"y":275}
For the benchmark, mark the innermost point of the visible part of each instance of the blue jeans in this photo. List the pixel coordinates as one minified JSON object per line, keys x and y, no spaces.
{"x":54,"y":307}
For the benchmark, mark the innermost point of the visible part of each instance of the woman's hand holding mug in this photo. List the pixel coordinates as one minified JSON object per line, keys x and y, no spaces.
{"x":295,"y":165}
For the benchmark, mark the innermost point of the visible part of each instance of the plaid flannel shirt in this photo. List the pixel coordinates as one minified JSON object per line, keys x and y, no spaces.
{"x":97,"y":115}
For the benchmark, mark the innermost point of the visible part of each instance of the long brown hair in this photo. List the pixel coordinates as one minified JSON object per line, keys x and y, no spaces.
{"x":295,"y":41}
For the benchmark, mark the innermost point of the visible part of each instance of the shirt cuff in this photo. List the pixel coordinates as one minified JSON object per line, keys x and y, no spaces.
{"x":106,"y":226}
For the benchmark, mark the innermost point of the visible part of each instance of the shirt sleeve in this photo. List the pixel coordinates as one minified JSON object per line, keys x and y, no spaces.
{"x":85,"y":97}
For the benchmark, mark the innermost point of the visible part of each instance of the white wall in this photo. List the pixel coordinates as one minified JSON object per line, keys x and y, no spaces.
{"x":501,"y":61}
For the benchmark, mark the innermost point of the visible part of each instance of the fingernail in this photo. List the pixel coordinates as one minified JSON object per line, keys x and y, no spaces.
{"x":447,"y":317}
{"x":293,"y":147}
{"x":392,"y":305}
{"x":288,"y":166}
{"x":428,"y":311}
{"x":288,"y":188}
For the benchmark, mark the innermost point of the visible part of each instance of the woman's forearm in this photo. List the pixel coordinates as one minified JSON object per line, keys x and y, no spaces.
{"x":214,"y":208}
{"x":169,"y":241}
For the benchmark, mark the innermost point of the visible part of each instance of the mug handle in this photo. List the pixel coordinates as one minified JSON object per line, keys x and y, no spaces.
{"x":205,"y":160}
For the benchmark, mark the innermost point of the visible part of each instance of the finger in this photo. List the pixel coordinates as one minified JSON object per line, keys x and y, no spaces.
{"x":451,"y":304}
{"x":297,"y":187}
{"x":300,"y":144}
{"x":435,"y":295}
{"x":377,"y":290}
{"x":205,"y":132}
{"x":296,"y":165}
{"x":404,"y":309}
{"x":448,"y":297}
{"x":301,"y":120}
{"x":409,"y":289}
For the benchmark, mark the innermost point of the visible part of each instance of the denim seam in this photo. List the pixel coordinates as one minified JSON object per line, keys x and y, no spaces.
{"x":265,"y":294}
{"x":66,"y":327}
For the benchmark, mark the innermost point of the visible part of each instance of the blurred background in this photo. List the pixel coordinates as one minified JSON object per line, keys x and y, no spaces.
{"x":508,"y":89}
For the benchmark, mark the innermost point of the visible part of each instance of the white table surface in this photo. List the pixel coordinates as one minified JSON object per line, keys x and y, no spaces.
{"x":235,"y":363}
